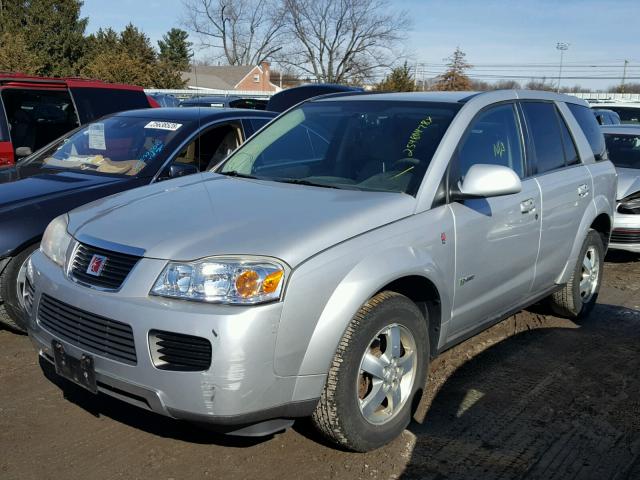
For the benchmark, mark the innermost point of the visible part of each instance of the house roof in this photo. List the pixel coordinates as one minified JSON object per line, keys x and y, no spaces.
{"x":219,"y":77}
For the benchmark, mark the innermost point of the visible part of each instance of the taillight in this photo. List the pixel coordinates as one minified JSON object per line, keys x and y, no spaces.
{"x":6,"y":154}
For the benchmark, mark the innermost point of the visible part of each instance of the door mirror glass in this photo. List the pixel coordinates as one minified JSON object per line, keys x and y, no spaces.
{"x":22,"y":152}
{"x":181,"y":169}
{"x":484,"y":180}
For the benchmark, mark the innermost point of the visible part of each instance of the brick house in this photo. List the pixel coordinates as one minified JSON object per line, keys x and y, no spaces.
{"x":231,"y":77}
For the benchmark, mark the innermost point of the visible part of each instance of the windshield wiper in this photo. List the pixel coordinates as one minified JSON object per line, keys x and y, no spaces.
{"x":235,"y":173}
{"x":300,"y":181}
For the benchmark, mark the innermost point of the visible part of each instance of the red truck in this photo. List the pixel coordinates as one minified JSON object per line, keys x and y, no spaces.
{"x":36,"y":110}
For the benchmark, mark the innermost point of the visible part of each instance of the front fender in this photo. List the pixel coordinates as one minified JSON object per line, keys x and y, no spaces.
{"x":326,"y":291}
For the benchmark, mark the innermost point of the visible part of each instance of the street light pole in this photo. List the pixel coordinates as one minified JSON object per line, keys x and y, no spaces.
{"x":562,"y":46}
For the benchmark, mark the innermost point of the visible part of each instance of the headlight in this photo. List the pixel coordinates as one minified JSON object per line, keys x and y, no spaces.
{"x":55,"y":241}
{"x":222,"y":280}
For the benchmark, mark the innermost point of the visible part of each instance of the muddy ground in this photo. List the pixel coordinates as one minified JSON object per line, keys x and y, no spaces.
{"x":534,"y":397}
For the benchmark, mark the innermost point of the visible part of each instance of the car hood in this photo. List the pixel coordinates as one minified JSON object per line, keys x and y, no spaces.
{"x":49,"y":186}
{"x":628,"y":182}
{"x":210,"y":214}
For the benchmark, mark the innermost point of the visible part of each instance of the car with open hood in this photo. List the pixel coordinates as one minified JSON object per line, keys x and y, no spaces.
{"x":321,"y":266}
{"x":623,"y":144}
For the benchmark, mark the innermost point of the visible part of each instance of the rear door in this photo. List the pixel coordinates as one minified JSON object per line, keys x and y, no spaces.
{"x":6,"y":149}
{"x":496,"y":238}
{"x":565,"y":184}
{"x":93,"y":102}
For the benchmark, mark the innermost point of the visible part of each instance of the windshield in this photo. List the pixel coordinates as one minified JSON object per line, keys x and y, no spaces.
{"x":115,"y":145}
{"x":624,"y":150}
{"x":365,"y":145}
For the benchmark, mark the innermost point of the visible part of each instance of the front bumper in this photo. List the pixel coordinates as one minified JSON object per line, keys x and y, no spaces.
{"x":239,"y":388}
{"x":626,"y":233}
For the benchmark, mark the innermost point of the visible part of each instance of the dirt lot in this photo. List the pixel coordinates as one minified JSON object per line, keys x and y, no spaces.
{"x":534,"y":397}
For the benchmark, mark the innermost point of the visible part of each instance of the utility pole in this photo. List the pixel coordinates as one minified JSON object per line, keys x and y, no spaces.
{"x":624,"y":76}
{"x":562,"y":46}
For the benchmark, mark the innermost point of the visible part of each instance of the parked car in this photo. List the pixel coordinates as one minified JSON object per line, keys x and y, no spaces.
{"x":224,"y":101}
{"x":623,"y":143}
{"x":629,"y":112}
{"x":165,"y":99}
{"x":318,"y":269}
{"x":605,"y":116}
{"x":36,"y":110}
{"x":117,"y":153}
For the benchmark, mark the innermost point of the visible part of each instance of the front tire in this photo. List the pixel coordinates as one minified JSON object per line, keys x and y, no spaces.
{"x":379,"y":367}
{"x":12,"y":312}
{"x":578,"y":297}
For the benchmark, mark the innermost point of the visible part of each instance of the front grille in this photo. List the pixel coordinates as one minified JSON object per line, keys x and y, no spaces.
{"x":625,"y":235}
{"x":116,"y":267}
{"x":28,"y":295}
{"x":88,"y":331}
{"x":175,"y":351}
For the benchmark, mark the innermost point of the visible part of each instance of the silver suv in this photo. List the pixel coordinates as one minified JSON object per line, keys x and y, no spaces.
{"x":319,"y":268}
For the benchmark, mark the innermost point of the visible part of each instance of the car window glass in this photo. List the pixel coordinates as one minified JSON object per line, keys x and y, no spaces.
{"x":353,"y":144}
{"x":114,"y":145}
{"x":624,"y":150}
{"x":627,"y":114}
{"x":94,"y":103}
{"x":211,"y":146}
{"x":590,"y":128}
{"x":570,"y":152}
{"x":544,"y":130}
{"x":493,"y":138}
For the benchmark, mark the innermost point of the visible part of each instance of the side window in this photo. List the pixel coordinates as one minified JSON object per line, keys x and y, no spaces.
{"x":570,"y":152}
{"x":544,"y":130}
{"x":212,"y":146}
{"x":94,"y":103}
{"x":591,"y":129}
{"x":493,"y":138}
{"x":258,"y":123}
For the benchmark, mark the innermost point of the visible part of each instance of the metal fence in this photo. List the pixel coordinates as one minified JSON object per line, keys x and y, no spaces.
{"x":608,"y":97}
{"x":200,"y":92}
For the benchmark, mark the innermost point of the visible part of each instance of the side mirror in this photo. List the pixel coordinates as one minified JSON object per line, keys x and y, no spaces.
{"x":22,"y":152}
{"x":181,"y":169}
{"x":484,"y":180}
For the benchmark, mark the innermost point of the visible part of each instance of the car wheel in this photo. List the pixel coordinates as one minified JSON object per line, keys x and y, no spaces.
{"x":12,"y":281}
{"x":578,"y":297}
{"x":376,"y":375}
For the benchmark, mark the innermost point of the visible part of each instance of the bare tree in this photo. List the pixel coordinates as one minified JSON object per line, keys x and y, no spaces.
{"x":241,"y":32}
{"x":341,"y":41}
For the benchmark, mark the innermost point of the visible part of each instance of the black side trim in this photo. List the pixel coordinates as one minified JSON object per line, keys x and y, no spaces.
{"x":302,"y":408}
{"x":493,"y":320}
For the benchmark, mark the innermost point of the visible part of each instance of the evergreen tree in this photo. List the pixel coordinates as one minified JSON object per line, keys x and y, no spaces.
{"x":52,"y":31}
{"x":175,"y":49}
{"x":15,"y":55}
{"x":454,"y":78}
{"x":399,"y":80}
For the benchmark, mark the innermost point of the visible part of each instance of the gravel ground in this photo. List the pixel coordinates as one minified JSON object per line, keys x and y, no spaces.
{"x":535,"y":396}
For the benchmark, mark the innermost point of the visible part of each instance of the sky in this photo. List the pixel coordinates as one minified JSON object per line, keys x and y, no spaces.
{"x":500,"y":37}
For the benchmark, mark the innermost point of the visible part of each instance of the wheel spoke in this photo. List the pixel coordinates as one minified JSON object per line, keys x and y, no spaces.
{"x":586,"y":264}
{"x":393,"y":342}
{"x":584,"y":286}
{"x":372,"y":401}
{"x":396,"y":398}
{"x":374,"y":365}
{"x":406,"y":362}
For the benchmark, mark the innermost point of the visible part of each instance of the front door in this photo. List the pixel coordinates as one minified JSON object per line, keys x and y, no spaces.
{"x":496,"y":238}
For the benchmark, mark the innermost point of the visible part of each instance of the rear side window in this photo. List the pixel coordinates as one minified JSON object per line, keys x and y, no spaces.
{"x":544,"y":131}
{"x":591,"y":129}
{"x":93,"y":103}
{"x":570,"y":152}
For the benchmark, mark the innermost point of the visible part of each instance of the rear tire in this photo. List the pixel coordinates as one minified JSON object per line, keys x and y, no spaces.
{"x":578,"y":297}
{"x":387,"y":336}
{"x":12,"y":313}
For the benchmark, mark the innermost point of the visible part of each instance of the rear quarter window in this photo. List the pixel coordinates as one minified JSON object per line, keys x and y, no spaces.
{"x":587,"y":121}
{"x":93,"y":103}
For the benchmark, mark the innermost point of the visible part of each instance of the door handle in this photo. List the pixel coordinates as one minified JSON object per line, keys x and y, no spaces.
{"x":527,"y":206}
{"x":583,"y":190}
